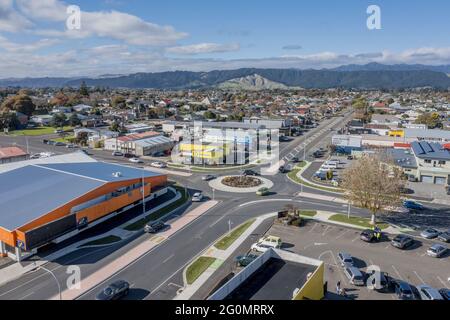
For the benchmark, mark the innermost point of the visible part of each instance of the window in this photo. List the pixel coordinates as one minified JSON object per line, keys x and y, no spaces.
{"x":441,"y":162}
{"x":427,"y":161}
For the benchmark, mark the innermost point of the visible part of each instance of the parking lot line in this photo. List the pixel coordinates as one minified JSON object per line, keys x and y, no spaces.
{"x":326,"y":229}
{"x":342,"y":234}
{"x":315,"y":225}
{"x":446,"y":285}
{"x":398,"y":273}
{"x":418,"y":277}
{"x":356,"y":238}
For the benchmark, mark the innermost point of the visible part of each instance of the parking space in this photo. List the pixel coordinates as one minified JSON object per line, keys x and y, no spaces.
{"x":324,"y":242}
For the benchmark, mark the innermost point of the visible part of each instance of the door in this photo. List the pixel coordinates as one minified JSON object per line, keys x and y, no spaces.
{"x":440,"y":181}
{"x":427,"y":179}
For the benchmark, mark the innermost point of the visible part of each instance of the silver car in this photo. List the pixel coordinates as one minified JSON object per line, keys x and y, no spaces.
{"x":428,"y":293}
{"x":437,"y":250}
{"x":345,"y":259}
{"x":429,"y":233}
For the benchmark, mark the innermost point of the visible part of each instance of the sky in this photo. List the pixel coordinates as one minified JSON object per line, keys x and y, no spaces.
{"x":122,"y":37}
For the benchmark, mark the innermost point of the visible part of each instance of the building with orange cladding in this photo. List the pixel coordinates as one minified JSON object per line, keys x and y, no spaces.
{"x":43,"y":202}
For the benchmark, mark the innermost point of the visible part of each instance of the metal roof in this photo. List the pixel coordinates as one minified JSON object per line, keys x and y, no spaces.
{"x":153,"y":141}
{"x":29,"y":192}
{"x":430,"y":151}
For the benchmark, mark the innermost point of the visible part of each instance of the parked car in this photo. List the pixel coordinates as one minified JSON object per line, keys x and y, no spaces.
{"x":71,"y":146}
{"x":295,"y":159}
{"x":345,"y":259}
{"x":135,"y":160}
{"x":413,"y":205}
{"x":354,"y":275}
{"x":445,"y":293}
{"x":429,"y":293}
{"x":250,"y":173}
{"x":158,"y":164}
{"x":271,"y":241}
{"x":129,"y":155}
{"x":85,"y":151}
{"x":395,"y":209}
{"x":350,"y":158}
{"x":208,"y":177}
{"x":197,"y":197}
{"x":154,"y":227}
{"x":244,"y":261}
{"x":260,"y":247}
{"x":403,"y":290}
{"x":117,"y":154}
{"x":445,"y":236}
{"x":263,"y":192}
{"x":402,"y":241}
{"x":60,"y":144}
{"x":437,"y":250}
{"x":58,"y":131}
{"x":430,"y":233}
{"x":114,"y":291}
{"x":282,"y":169}
{"x":369,"y":236}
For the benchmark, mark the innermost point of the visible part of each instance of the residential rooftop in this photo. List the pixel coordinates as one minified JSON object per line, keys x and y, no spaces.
{"x":430,"y":151}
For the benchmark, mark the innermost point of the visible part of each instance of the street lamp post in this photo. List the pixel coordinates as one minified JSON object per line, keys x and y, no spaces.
{"x":349,"y":207}
{"x":304,"y":161}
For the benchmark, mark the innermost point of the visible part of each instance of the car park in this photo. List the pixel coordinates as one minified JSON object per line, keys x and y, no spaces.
{"x":402,"y":241}
{"x":114,"y":291}
{"x":429,"y":233}
{"x":445,"y":236}
{"x":354,"y":275}
{"x":208,"y":177}
{"x":437,"y":250}
{"x":369,"y":236}
{"x":154,"y":227}
{"x":428,"y":293}
{"x":263,"y":192}
{"x":135,"y":160}
{"x":413,"y":205}
{"x":403,"y":290}
{"x":158,"y":164}
{"x":244,"y":261}
{"x":197,"y":197}
{"x":345,"y":259}
{"x":445,"y":293}
{"x":117,"y":154}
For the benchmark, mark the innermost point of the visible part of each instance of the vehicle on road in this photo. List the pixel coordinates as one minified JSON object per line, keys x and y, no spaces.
{"x":58,"y":131}
{"x":249,"y":173}
{"x":197,"y":197}
{"x":60,"y":144}
{"x":135,"y":160}
{"x":430,"y":233}
{"x":403,"y":290}
{"x":345,"y":259}
{"x":445,"y":293}
{"x":445,"y":236}
{"x":244,"y":261}
{"x":369,"y":236}
{"x":259,"y":247}
{"x":155,"y":227}
{"x":263,"y":192}
{"x":402,"y":241}
{"x":117,"y":154}
{"x":208,"y":177}
{"x":394,"y":209}
{"x":354,"y":275}
{"x":282,"y":169}
{"x":114,"y":291}
{"x":285,"y":139}
{"x":413,"y":205}
{"x":437,"y":250}
{"x":428,"y":293}
{"x":295,"y":160}
{"x":129,"y":155}
{"x":158,"y":164}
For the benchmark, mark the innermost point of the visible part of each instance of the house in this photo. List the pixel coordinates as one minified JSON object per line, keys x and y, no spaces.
{"x":43,"y":120}
{"x":82,"y":108}
{"x":12,"y":154}
{"x":61,"y":109}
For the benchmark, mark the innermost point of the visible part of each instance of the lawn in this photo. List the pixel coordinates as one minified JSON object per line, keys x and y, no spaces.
{"x":40,"y":131}
{"x":308,"y":213}
{"x":160,"y":213}
{"x":293,"y":176}
{"x":356,"y":221}
{"x":102,"y":241}
{"x":227,"y":241}
{"x":64,"y":140}
{"x":197,"y":268}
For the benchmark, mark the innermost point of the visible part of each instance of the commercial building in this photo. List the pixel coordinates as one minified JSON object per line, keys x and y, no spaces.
{"x":43,"y":202}
{"x":276,"y":275}
{"x":12,"y":154}
{"x":140,"y":144}
{"x":346,"y":143}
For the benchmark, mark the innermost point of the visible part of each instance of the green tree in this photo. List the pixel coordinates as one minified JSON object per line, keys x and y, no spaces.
{"x":118,"y":102}
{"x":58,"y":120}
{"x":74,"y":120}
{"x":431,"y":120}
{"x":21,"y":103}
{"x":84,"y":89}
{"x":9,"y":121}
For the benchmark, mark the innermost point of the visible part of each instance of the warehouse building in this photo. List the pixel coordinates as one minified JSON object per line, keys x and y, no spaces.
{"x":12,"y":154}
{"x":42,"y":202}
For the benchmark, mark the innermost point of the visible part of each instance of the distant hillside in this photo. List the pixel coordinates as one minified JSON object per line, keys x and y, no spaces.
{"x":276,"y":78}
{"x":253,"y":82}
{"x":394,"y":67}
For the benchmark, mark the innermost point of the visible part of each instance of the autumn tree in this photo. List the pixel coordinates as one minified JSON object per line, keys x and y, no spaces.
{"x":21,"y":103}
{"x":373,"y":183}
{"x":431,"y":120}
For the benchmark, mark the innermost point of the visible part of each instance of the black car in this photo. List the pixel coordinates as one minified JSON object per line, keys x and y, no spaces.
{"x":129,"y":155}
{"x":244,"y":261}
{"x":114,"y":291}
{"x":445,"y":236}
{"x":250,"y":173}
{"x":282,"y":169}
{"x":403,"y":290}
{"x":369,"y":236}
{"x":295,"y":159}
{"x":155,"y":227}
{"x":445,"y":293}
{"x":402,"y":241}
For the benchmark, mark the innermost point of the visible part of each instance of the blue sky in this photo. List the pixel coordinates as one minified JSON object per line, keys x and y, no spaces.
{"x":119,"y":36}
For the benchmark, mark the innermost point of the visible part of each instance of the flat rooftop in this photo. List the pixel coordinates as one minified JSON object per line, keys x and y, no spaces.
{"x":275,"y":280}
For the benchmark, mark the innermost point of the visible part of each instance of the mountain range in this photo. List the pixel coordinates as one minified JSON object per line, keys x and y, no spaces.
{"x":369,"y":76}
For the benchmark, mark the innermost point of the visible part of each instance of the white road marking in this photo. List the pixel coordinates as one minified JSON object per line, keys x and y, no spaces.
{"x":313,"y":227}
{"x":326,"y":229}
{"x":398,"y":273}
{"x":342,"y":234}
{"x":446,"y":285}
{"x":27,"y":295}
{"x":418,"y":277}
{"x":170,"y":257}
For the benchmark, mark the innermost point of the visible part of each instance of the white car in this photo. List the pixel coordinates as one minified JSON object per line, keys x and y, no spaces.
{"x":197,"y":197}
{"x":397,"y":209}
{"x":117,"y":154}
{"x":158,"y":165}
{"x":260,"y":247}
{"x":136,"y":160}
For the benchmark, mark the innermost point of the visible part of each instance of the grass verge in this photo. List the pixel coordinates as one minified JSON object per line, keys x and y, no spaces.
{"x":40,"y":131}
{"x":159,"y":213}
{"x":356,"y":221}
{"x":293,"y":176}
{"x":103,"y":241}
{"x":308,"y":213}
{"x":227,"y":241}
{"x":197,"y":268}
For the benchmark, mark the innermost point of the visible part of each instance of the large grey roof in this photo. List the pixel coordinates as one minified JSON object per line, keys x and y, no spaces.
{"x":29,"y":192}
{"x":430,"y":151}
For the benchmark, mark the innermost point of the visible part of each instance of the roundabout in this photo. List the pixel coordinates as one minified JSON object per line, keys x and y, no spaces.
{"x":240,"y":184}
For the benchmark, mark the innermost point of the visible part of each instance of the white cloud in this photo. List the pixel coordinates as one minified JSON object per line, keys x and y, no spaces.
{"x":203,"y":48}
{"x":25,"y":47}
{"x":10,"y":19}
{"x":52,"y":10}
